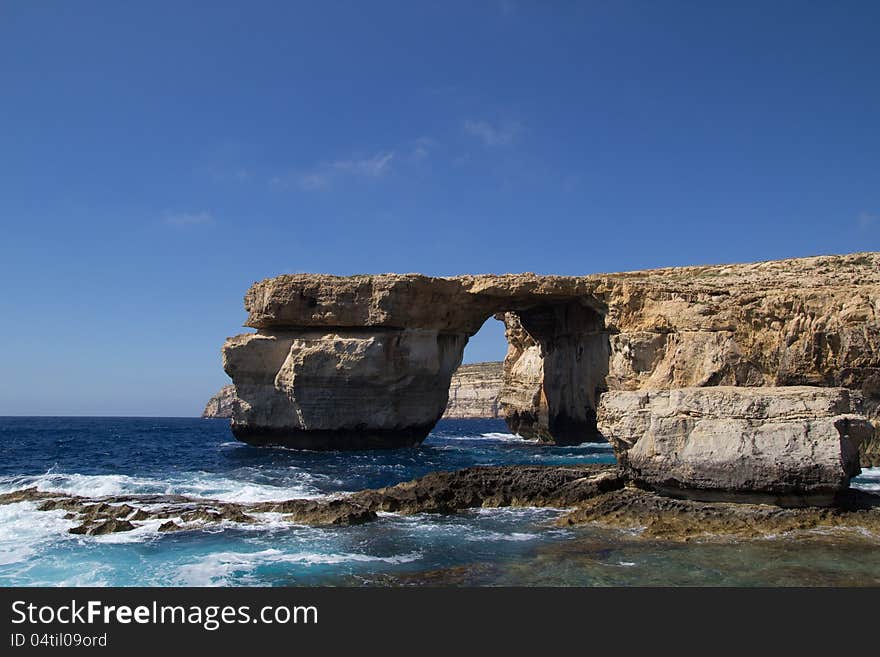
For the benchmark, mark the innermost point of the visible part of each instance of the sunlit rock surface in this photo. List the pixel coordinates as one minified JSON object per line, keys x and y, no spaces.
{"x":367,"y":360}
{"x":474,"y":391}
{"x":221,"y":404}
{"x":777,"y":441}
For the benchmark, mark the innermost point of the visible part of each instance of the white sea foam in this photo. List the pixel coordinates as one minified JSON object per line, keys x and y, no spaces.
{"x":145,"y":530}
{"x":519,"y":512}
{"x":482,"y":535}
{"x":870,"y":473}
{"x":501,"y":436}
{"x":194,"y":484}
{"x":869,"y":480}
{"x":217,"y":569}
{"x":24,"y":531}
{"x":506,"y":437}
{"x":498,"y":436}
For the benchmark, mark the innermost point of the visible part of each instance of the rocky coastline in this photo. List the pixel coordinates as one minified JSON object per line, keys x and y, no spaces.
{"x":587,"y":494}
{"x":370,"y":358}
{"x":739,"y":399}
{"x":367,"y":361}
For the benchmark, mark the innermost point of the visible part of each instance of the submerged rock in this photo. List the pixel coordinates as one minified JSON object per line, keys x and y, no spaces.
{"x":789,"y":443}
{"x":333,"y":512}
{"x":110,"y":526}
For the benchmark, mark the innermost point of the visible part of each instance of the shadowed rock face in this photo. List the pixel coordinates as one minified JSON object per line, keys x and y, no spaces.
{"x":367,"y":360}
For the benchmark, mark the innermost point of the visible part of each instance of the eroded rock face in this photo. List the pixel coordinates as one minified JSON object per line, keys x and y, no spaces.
{"x":808,"y":321}
{"x":523,"y":401}
{"x":366,"y":361}
{"x":780,"y":441}
{"x":343,"y":389}
{"x":659,"y":517}
{"x":555,"y":370}
{"x":474,"y":391}
{"x":221,"y":405}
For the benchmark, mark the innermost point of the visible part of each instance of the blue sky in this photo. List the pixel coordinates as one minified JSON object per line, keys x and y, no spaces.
{"x":156,"y":159}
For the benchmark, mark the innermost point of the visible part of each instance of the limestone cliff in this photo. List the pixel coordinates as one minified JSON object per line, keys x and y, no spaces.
{"x":367,"y":360}
{"x":791,"y":444}
{"x":474,"y":391}
{"x":221,"y":404}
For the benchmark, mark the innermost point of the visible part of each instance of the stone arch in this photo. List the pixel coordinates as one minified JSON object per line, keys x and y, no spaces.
{"x":338,"y":362}
{"x":366,"y":362}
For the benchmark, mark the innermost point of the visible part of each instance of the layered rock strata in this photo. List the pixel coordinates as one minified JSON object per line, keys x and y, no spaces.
{"x":367,"y":360}
{"x":341,"y":390}
{"x":221,"y":405}
{"x":473,"y":394}
{"x":788,"y":444}
{"x":474,"y":391}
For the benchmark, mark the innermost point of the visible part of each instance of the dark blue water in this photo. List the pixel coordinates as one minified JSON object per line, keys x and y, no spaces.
{"x":183,"y":454}
{"x":105,"y":456}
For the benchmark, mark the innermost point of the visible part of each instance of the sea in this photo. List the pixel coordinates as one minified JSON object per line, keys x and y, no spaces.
{"x":485,"y":547}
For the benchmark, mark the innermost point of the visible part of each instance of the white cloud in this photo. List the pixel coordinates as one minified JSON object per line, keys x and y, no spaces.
{"x":493,"y":135}
{"x":313,"y":181}
{"x":867,"y":219}
{"x":372,"y":167}
{"x":421,"y":148}
{"x":184,"y":219}
{"x":324,"y":175}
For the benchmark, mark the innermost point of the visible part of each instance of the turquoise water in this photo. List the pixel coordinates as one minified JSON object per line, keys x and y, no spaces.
{"x":95,"y":456}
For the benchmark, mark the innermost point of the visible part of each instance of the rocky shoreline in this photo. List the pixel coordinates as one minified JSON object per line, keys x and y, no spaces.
{"x":588,"y":494}
{"x":740,"y":400}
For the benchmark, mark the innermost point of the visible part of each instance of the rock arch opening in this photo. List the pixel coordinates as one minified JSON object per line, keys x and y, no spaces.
{"x":366,"y":362}
{"x":554,"y":371}
{"x":476,"y":384}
